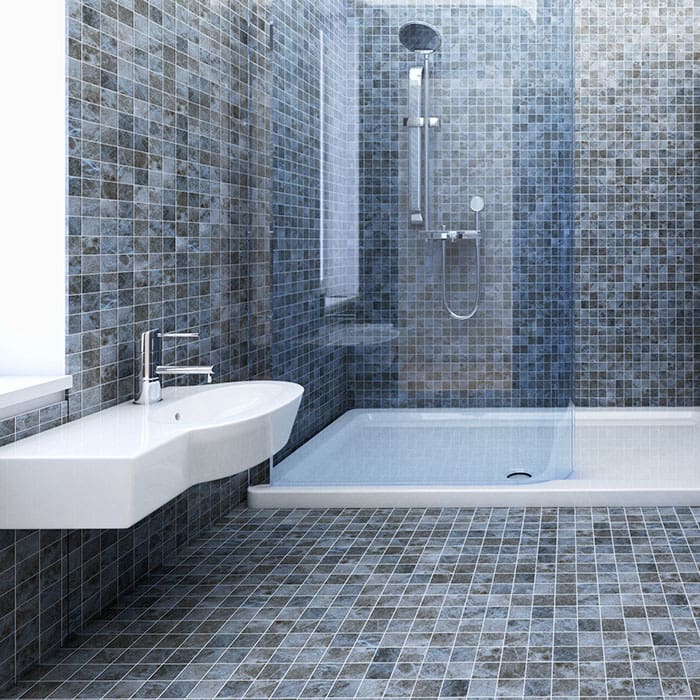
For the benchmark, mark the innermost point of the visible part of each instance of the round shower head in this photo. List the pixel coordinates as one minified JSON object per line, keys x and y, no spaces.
{"x":420,"y":37}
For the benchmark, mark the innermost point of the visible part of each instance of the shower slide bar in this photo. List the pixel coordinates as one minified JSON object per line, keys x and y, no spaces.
{"x":415,"y":193}
{"x":424,"y":40}
{"x":419,"y":177}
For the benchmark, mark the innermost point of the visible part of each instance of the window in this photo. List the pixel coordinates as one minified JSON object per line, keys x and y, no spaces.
{"x":32,"y":189}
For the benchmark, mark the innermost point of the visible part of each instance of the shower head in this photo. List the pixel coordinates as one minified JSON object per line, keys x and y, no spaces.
{"x":420,"y":37}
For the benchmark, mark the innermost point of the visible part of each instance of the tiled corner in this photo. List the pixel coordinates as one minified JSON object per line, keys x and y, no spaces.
{"x":298,"y":350}
{"x":32,"y":422}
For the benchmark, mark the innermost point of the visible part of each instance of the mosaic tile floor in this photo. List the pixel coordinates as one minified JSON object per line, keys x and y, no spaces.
{"x":450,"y":603}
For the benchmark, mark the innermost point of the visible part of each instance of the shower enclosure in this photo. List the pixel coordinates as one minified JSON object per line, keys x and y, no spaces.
{"x":421,"y":207}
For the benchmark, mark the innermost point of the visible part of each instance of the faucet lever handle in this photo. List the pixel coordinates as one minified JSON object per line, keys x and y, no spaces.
{"x":179,"y":335}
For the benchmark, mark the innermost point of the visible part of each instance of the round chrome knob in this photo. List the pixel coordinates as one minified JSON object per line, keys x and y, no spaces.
{"x":477,"y":203}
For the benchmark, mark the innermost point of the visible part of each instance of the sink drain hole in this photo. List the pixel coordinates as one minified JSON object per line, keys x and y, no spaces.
{"x":519,"y":476}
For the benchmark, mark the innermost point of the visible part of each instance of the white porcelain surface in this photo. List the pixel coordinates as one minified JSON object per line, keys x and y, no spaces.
{"x":27,"y":392}
{"x":432,"y":447}
{"x":113,"y":468}
{"x":623,"y":457}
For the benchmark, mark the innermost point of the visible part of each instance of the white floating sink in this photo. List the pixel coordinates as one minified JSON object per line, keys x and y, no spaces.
{"x":113,"y":468}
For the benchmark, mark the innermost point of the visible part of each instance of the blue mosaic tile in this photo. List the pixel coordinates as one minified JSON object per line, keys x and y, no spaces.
{"x":196,"y":200}
{"x":297,"y":64}
{"x":637,"y":264}
{"x":404,"y":603}
{"x":507,"y":135}
{"x":159,"y":235}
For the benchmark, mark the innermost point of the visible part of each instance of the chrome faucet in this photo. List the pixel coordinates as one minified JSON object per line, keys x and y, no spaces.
{"x":148,"y":387}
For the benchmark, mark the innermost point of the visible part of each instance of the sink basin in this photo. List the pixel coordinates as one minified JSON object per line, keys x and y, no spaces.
{"x":219,"y":403}
{"x":113,"y":468}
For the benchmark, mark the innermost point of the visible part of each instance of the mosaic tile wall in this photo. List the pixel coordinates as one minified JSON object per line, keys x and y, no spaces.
{"x":301,"y":351}
{"x":158,"y":189}
{"x":160,"y":234}
{"x":53,"y":581}
{"x":340,"y":261}
{"x":473,"y":91}
{"x":506,"y":134}
{"x":173,"y":224}
{"x":638,"y":264}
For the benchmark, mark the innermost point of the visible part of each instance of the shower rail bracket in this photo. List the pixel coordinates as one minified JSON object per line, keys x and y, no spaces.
{"x":419,"y":122}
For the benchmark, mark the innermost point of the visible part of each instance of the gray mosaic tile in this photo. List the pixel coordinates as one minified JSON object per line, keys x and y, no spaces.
{"x":506,"y":135}
{"x":454,"y":603}
{"x":159,"y":234}
{"x":637,"y":309}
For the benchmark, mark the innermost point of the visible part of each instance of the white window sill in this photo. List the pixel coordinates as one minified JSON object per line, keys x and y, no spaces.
{"x":21,"y":394}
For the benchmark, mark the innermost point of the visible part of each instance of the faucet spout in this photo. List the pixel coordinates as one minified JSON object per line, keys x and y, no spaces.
{"x":148,"y":389}
{"x":208,"y":370}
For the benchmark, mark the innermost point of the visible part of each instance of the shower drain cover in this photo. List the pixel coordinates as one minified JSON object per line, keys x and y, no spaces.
{"x":519,"y":476}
